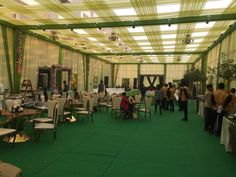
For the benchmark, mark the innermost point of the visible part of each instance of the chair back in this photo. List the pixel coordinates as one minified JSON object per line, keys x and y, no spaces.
{"x":56,"y":115}
{"x":117,"y":102}
{"x":49,"y":93}
{"x":137,"y":98}
{"x":101,"y":95}
{"x":95,"y":102}
{"x":113,"y":99}
{"x":85,"y":104}
{"x":148,"y":102}
{"x":10,"y":102}
{"x":91,"y":103}
{"x":61,"y":102}
{"x":51,"y":107}
{"x":64,"y":94}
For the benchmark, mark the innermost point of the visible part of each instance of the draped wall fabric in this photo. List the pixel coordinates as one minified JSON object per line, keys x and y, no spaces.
{"x":4,"y":75}
{"x":75,"y":61}
{"x":175,"y":72}
{"x":3,"y":69}
{"x":98,"y":70}
{"x":37,"y":53}
{"x":126,"y":71}
{"x":151,"y":69}
{"x":227,"y":48}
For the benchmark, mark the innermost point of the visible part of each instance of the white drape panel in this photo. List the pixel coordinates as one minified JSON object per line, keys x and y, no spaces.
{"x":175,"y":72}
{"x":126,"y":71}
{"x":37,"y":53}
{"x":229,"y":48}
{"x":151,"y":69}
{"x":95,"y":72}
{"x":106,"y":69}
{"x":3,"y":68}
{"x":75,"y":61}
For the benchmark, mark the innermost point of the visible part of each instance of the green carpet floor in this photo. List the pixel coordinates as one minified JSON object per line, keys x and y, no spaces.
{"x":164,"y":146}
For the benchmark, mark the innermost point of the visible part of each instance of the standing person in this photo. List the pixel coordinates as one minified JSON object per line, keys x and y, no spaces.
{"x":230,"y":102}
{"x":101,"y":87}
{"x":183,"y":96}
{"x":219,"y":99}
{"x":164,"y":91}
{"x":159,"y":99}
{"x":143,"y":91}
{"x":65,"y":86}
{"x":208,"y":109}
{"x":194,"y":91}
{"x":171,"y":97}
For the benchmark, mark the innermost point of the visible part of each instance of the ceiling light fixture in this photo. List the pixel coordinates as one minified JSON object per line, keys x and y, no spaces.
{"x":113,"y":37}
{"x":188,"y":39}
{"x":208,"y":19}
{"x":169,"y":22}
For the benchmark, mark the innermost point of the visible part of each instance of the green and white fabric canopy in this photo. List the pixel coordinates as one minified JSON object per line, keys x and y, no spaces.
{"x":148,"y":31}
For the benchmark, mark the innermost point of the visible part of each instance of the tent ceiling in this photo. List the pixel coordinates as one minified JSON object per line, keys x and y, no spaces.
{"x":152,"y":31}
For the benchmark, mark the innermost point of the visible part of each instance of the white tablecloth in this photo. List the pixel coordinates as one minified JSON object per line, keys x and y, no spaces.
{"x":225,"y":135}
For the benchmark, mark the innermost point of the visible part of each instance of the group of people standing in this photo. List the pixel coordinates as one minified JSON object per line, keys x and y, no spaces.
{"x":165,"y":97}
{"x":218,"y":103}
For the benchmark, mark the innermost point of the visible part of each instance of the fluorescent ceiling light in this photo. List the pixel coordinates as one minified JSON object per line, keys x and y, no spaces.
{"x":143,"y":43}
{"x":154,"y":60}
{"x":168,"y":42}
{"x":204,"y":25}
{"x":199,"y":34}
{"x":147,"y":47}
{"x":168,"y":8}
{"x":80,"y":31}
{"x":190,"y":49}
{"x":92,"y":39}
{"x":136,"y":29}
{"x":198,"y":40}
{"x":101,"y":44}
{"x":168,"y":50}
{"x":149,"y":50}
{"x":218,"y":4}
{"x":30,"y":2}
{"x":168,"y":28}
{"x":192,"y":45}
{"x":169,"y":60}
{"x":168,"y":36}
{"x":140,"y":38}
{"x":60,"y":17}
{"x":124,"y":12}
{"x":168,"y":47}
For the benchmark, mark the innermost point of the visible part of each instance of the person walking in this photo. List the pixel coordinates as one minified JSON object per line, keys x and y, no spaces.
{"x":208,"y":109}
{"x":219,"y":98}
{"x":183,"y":96}
{"x":158,"y":99}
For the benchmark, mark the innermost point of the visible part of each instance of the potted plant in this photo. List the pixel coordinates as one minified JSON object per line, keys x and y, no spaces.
{"x":210,"y":74}
{"x":227,"y":70}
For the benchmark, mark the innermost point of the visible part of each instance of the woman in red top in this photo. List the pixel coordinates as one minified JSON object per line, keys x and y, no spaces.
{"x":124,"y":105}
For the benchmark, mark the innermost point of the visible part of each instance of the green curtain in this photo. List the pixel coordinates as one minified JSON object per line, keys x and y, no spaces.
{"x":18,"y":52}
{"x":7,"y":56}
